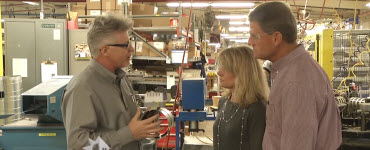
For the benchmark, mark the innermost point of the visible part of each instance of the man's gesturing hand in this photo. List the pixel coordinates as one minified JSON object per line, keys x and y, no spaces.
{"x":144,"y":128}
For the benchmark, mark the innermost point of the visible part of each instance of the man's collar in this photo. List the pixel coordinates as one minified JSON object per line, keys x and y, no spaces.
{"x":287,"y":58}
{"x":105,"y":73}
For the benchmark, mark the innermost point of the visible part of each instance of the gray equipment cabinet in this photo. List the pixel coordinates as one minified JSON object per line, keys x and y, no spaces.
{"x":33,"y":41}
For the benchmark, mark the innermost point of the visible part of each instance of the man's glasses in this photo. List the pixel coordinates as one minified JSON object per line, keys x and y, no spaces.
{"x":121,"y":45}
{"x":255,"y":37}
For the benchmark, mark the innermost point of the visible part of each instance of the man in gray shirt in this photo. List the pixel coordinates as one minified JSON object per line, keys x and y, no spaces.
{"x":302,"y":113}
{"x":99,"y":101}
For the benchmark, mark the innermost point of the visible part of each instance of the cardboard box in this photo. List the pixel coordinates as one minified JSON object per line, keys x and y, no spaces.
{"x":93,"y":4}
{"x":80,"y":9}
{"x":80,"y":3}
{"x":169,"y":49}
{"x":161,"y":22}
{"x":93,"y":12}
{"x":161,"y":46}
{"x":142,"y":9}
{"x":116,"y":12}
{"x":108,"y":4}
{"x":142,"y":22}
{"x":184,"y":22}
{"x":192,"y":51}
{"x":141,"y":49}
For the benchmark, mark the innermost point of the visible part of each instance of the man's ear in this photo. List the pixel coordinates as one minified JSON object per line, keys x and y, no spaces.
{"x":278,"y":38}
{"x":104,"y":50}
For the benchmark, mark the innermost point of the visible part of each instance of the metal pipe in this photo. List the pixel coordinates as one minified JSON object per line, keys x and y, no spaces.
{"x":193,"y":125}
{"x":42,"y":9}
{"x":180,"y":21}
{"x":125,"y":9}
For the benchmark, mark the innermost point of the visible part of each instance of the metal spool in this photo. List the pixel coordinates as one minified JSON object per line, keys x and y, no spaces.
{"x":168,"y":115}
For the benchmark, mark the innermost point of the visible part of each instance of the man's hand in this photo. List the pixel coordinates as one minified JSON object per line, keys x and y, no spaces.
{"x":144,"y":128}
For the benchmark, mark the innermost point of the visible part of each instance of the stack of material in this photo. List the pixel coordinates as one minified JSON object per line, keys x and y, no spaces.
{"x":10,"y":98}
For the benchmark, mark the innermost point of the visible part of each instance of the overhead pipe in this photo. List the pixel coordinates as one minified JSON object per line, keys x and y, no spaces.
{"x":42,"y":9}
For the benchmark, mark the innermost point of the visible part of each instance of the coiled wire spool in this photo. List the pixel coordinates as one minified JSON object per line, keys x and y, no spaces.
{"x":342,"y":102}
{"x":354,"y":104}
{"x":341,"y":99}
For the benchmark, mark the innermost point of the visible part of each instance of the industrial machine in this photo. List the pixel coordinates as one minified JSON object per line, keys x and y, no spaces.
{"x":349,"y":58}
{"x":41,"y":127}
{"x":193,"y":102}
{"x":355,"y":114}
{"x":29,"y":42}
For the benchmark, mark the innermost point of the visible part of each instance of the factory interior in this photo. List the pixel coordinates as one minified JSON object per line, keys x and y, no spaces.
{"x":174,"y":66}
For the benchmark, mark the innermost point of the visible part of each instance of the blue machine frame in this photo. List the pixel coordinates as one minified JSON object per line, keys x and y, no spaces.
{"x":188,"y":116}
{"x":27,"y":133}
{"x":193,"y":91}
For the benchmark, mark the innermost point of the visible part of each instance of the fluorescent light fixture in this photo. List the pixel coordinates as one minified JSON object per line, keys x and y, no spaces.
{"x":188,"y":4}
{"x":30,"y":3}
{"x":231,"y":16}
{"x":224,"y":35}
{"x":223,"y":5}
{"x":368,"y":5}
{"x":238,"y":22}
{"x":244,"y":29}
{"x":218,"y":5}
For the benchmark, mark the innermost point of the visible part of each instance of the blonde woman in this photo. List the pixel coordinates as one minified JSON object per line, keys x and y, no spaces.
{"x":240,"y":123}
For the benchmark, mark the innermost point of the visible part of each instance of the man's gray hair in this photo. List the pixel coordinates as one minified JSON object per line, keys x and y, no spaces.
{"x":275,"y":16}
{"x":103,"y":28}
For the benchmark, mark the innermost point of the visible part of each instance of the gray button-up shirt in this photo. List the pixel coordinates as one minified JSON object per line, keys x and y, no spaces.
{"x":96,"y":103}
{"x":302,"y":113}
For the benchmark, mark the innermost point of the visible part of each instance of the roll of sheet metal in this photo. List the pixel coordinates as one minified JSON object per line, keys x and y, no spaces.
{"x":12,"y":97}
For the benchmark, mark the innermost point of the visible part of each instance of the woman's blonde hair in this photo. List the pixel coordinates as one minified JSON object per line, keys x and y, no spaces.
{"x":250,"y":82}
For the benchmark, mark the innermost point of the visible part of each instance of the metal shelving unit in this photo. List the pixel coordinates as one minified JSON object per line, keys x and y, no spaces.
{"x":148,"y":58}
{"x":171,"y":30}
{"x":150,"y":82}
